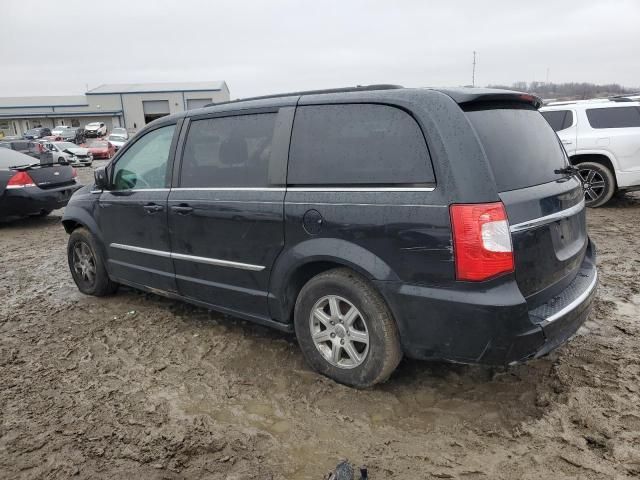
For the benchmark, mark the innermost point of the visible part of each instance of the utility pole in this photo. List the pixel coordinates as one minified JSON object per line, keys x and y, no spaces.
{"x":473,"y":73}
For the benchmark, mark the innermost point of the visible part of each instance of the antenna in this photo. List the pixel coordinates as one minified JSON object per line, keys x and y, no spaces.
{"x":473,"y":72}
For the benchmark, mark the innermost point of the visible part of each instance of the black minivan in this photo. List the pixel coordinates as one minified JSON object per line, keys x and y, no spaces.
{"x":374,"y":222}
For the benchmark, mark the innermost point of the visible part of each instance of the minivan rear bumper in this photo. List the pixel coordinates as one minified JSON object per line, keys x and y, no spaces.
{"x":492,"y":325}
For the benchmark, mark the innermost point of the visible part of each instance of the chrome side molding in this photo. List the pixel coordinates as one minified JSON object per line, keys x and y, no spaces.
{"x":189,"y":258}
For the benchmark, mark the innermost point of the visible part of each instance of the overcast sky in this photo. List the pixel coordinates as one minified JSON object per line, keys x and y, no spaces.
{"x":259,"y":47}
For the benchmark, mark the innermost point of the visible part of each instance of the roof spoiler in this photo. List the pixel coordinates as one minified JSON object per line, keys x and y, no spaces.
{"x":469,"y":96}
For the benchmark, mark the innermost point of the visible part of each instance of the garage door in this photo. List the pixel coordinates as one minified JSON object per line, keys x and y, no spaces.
{"x":154,"y":109}
{"x":197,"y":103}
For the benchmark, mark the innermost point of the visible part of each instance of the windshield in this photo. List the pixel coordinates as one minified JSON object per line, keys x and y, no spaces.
{"x":59,"y":129}
{"x":92,"y":125}
{"x":97,"y":144}
{"x":32,"y":131}
{"x":116,"y":138}
{"x":65,"y":145}
{"x":521,"y":147}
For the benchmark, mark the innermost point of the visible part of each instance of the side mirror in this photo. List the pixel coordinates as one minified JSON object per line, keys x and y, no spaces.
{"x":100,"y":177}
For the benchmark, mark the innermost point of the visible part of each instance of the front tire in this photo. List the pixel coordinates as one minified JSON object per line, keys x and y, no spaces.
{"x":598,"y":183}
{"x":346,"y":330}
{"x":87,"y":264}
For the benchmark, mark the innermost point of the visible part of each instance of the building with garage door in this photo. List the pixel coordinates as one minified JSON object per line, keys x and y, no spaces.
{"x":128,"y":105}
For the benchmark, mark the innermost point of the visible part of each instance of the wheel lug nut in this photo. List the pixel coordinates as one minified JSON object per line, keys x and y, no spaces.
{"x":332,"y":322}
{"x":333,"y":335}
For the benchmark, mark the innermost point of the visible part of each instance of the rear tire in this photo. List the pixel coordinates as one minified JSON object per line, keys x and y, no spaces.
{"x":44,"y":213}
{"x":87,"y":264}
{"x":346,"y":330}
{"x":598,"y":183}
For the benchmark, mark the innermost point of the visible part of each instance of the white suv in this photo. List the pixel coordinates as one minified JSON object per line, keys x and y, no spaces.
{"x":602,"y":139}
{"x":95,"y":129}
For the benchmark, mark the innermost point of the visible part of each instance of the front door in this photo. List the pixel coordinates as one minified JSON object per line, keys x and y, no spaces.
{"x":133,"y":212}
{"x":226,"y":215}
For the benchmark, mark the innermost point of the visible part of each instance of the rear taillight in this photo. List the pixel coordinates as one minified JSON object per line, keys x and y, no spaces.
{"x":481,"y":241}
{"x":74,"y":172}
{"x":20,"y":180}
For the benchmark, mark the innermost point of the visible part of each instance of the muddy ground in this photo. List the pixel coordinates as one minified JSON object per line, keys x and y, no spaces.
{"x":138,"y":386}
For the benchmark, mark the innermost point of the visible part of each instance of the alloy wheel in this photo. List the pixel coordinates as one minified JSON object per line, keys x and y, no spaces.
{"x":84,"y":262}
{"x":593,"y":184}
{"x":339,"y":332}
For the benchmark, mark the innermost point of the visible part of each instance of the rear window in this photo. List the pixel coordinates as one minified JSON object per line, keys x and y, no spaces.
{"x":357,"y":144}
{"x":614,"y":117}
{"x":559,"y":119}
{"x":522,"y":148}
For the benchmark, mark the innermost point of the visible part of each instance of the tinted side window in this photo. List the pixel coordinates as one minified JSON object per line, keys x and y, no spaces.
{"x":357,"y":144}
{"x":228,"y":152}
{"x":618,"y":117}
{"x":144,"y":165}
{"x":559,"y":119}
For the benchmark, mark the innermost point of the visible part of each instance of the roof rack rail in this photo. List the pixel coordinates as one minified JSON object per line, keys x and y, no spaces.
{"x":358,"y":88}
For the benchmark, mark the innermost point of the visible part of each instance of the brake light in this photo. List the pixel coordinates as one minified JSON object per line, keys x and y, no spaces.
{"x":74,"y":172}
{"x":20,"y":180}
{"x":481,"y":241}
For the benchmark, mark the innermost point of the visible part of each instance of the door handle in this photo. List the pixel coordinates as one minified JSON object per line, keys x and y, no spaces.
{"x":182,"y":209}
{"x":153,"y":207}
{"x":566,"y":142}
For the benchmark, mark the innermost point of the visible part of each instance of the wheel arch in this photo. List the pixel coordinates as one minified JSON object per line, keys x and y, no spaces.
{"x":75,"y":218}
{"x":297,"y":266}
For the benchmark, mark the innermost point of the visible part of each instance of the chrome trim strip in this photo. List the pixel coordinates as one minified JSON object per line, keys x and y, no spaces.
{"x":190,"y":258}
{"x":540,"y":221}
{"x":217,"y":262}
{"x":133,"y":190}
{"x":140,"y":190}
{"x":365,"y":204}
{"x":149,"y":251}
{"x":230,"y":189}
{"x":361,"y":189}
{"x":581,"y":298}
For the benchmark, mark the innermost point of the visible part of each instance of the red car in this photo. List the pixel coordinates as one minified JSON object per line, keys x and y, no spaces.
{"x":100,"y":148}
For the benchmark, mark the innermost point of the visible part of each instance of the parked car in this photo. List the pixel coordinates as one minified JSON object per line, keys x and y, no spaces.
{"x":33,"y":189}
{"x":121,"y":132}
{"x":602,"y":140}
{"x":67,"y":152}
{"x":35,"y":133}
{"x":382,"y":222}
{"x":59,"y":129}
{"x":95,"y":129}
{"x":73,"y":134}
{"x":117,"y":141}
{"x":100,"y":148}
